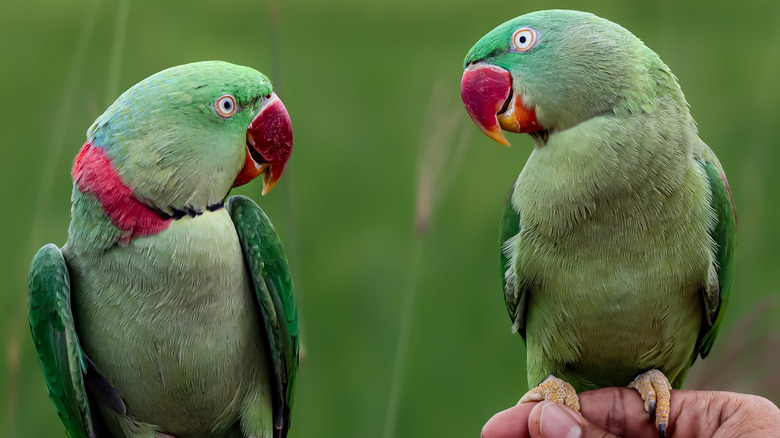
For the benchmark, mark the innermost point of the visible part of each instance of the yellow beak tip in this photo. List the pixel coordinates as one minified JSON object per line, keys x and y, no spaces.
{"x":498,"y":137}
{"x":268,"y":183}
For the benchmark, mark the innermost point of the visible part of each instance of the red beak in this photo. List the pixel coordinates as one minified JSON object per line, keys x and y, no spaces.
{"x":486,"y":91}
{"x":268,"y":145}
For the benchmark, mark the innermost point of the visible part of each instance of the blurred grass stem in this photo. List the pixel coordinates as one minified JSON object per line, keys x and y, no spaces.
{"x":402,"y":348}
{"x":120,"y":30}
{"x":744,"y":358}
{"x":437,"y":166}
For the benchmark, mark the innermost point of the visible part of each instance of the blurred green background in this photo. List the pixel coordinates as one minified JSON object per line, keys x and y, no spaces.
{"x":369,"y":84}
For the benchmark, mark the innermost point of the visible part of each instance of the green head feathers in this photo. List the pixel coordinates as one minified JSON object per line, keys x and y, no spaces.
{"x":570,"y":66}
{"x":179,"y":138}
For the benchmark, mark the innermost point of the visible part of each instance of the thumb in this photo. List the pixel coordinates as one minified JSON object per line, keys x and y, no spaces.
{"x":554,"y":420}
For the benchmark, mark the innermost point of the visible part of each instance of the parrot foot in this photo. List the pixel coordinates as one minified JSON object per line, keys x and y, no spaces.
{"x":553,"y":389}
{"x":655,"y":389}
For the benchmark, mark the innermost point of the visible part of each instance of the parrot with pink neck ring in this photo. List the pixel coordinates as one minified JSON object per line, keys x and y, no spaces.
{"x":618,"y":236}
{"x":170,"y":312}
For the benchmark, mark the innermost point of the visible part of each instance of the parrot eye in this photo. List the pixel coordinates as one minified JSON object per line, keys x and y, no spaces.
{"x":225,"y":106}
{"x":523,"y":40}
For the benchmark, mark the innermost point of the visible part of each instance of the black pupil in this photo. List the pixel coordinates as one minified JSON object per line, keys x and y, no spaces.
{"x":227,"y":105}
{"x":522,"y":39}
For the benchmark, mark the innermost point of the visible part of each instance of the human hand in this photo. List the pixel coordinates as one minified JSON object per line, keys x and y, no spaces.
{"x":611,"y":412}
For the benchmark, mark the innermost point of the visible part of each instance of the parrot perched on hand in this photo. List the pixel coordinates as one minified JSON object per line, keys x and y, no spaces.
{"x":618,"y":235}
{"x":169,"y":312}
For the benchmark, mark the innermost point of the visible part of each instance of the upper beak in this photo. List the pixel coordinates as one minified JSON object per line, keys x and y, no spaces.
{"x":487,"y":93}
{"x":268,"y":145}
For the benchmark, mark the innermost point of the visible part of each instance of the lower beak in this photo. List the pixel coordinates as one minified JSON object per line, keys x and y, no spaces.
{"x":268,"y":145}
{"x":487,"y":93}
{"x":518,"y":118}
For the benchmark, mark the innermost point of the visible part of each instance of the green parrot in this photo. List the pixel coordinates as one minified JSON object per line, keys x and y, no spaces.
{"x":618,"y":235}
{"x":169,"y":312}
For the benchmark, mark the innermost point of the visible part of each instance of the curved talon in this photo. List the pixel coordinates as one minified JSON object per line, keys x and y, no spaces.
{"x":655,"y":389}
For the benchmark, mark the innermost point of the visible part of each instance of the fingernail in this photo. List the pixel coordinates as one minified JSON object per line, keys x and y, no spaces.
{"x":556,"y":422}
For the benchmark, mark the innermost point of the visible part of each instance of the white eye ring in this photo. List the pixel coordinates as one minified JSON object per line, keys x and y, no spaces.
{"x":225,"y":106}
{"x":524,"y":39}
